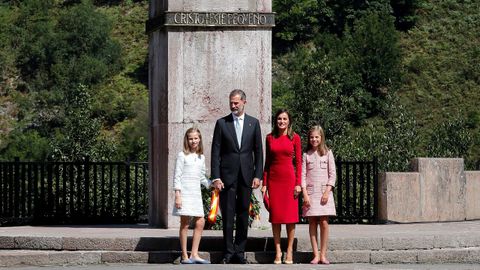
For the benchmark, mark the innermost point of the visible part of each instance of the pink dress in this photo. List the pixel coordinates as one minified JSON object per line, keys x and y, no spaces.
{"x":318,"y":172}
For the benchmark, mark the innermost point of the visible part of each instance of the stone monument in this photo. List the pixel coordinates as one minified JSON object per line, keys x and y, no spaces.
{"x":200,"y":50}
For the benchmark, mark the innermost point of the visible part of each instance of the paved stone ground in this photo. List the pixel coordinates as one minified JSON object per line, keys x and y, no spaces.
{"x":413,"y":230}
{"x":425,"y":243}
{"x":357,"y":266}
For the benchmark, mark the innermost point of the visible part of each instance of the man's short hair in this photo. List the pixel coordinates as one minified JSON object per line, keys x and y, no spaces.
{"x":238,"y":92}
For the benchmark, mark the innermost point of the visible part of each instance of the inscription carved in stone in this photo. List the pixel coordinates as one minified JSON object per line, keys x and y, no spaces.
{"x":212,"y":19}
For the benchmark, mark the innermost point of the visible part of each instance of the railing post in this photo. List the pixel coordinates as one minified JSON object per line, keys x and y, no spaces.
{"x":119,"y":193}
{"x":340,"y":188}
{"x":36,"y":194}
{"x":50,"y":208}
{"x":146,"y":184}
{"x":16,"y":186}
{"x":71,"y":177}
{"x":370,"y":207}
{"x":355,"y":190}
{"x":95,"y":191}
{"x":137,"y":196}
{"x":127,"y":190}
{"x":64,"y":187}
{"x":87,"y":186}
{"x":79,"y":191}
{"x":362,"y":190}
{"x":375,"y":189}
{"x":23,"y":193}
{"x":1,"y":188}
{"x":58,"y":193}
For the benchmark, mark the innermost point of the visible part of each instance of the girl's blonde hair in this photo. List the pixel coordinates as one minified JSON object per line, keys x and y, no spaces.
{"x":322,"y":148}
{"x":186,"y":148}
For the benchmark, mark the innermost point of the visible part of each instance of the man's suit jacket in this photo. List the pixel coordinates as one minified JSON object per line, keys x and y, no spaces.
{"x":227,"y":158}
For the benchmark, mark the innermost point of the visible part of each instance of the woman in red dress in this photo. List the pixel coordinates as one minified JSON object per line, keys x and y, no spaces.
{"x":282,"y":180}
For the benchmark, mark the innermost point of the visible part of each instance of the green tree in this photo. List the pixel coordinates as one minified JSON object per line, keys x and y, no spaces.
{"x":341,"y":81}
{"x":26,"y":145}
{"x":300,"y":21}
{"x":392,"y":138}
{"x":452,"y":138}
{"x":373,"y":51}
{"x":63,"y":52}
{"x":405,"y":12}
{"x":77,"y":138}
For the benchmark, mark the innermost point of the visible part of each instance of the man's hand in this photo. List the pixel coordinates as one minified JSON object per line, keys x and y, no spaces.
{"x":218,"y":184}
{"x":255,"y":183}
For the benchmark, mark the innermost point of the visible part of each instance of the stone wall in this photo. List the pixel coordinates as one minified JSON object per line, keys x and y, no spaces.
{"x":473,"y":195}
{"x":438,"y":190}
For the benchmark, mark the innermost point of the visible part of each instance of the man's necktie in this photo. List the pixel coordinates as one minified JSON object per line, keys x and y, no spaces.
{"x":238,"y":131}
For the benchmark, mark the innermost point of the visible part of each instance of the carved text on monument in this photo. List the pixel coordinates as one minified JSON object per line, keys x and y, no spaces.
{"x":219,"y":19}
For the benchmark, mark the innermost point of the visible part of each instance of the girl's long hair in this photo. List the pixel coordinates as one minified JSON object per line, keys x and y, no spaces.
{"x":322,"y":148}
{"x":276,"y":132}
{"x":186,"y":147}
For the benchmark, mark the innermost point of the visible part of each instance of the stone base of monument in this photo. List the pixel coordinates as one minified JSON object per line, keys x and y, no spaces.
{"x":429,"y":243}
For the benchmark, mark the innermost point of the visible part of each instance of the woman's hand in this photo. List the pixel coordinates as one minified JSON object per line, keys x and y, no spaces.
{"x":264,"y":189}
{"x":297,"y":191}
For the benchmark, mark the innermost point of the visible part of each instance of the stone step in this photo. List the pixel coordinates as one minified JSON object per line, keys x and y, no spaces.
{"x":254,"y":244}
{"x":52,"y":257}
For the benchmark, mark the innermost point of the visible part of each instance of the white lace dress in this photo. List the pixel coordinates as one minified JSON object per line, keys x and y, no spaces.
{"x":189,"y":174}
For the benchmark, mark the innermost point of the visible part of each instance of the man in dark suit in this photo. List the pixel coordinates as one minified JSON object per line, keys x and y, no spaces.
{"x":237,"y":167}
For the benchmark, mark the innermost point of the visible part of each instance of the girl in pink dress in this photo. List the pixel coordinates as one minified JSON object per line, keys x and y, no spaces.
{"x":318,"y":180}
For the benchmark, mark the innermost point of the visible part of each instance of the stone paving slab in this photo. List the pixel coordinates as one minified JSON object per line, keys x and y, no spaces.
{"x":465,"y":228}
{"x":143,"y":238}
{"x":42,"y":257}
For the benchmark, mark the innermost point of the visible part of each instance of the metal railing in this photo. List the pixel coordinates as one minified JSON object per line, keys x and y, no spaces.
{"x":87,"y":192}
{"x":73,"y":192}
{"x":355,"y":192}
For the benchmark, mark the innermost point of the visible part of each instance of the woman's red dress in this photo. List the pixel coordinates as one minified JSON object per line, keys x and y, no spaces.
{"x":280,"y":177}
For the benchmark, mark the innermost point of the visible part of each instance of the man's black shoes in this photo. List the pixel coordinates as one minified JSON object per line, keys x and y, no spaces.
{"x":234,"y":260}
{"x":241,"y":260}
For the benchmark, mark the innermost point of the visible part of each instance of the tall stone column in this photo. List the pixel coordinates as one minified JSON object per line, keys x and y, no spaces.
{"x":200,"y":50}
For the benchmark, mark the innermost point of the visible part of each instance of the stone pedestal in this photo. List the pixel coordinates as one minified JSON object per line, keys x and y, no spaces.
{"x":198,"y":52}
{"x":438,"y":190}
{"x":473,"y":195}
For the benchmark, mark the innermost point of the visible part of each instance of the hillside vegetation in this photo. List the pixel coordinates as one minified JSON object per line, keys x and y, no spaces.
{"x":441,"y":86}
{"x":394,"y":79}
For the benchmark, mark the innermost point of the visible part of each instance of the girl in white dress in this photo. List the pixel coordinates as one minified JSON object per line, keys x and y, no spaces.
{"x":189,"y":174}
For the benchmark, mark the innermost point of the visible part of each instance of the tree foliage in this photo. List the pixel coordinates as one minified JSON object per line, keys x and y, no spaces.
{"x":299,"y":22}
{"x":452,"y":138}
{"x":341,"y":81}
{"x":371,"y":72}
{"x":347,"y":65}
{"x":62,"y":54}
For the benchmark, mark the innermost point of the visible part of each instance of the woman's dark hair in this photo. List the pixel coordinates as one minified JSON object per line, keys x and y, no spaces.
{"x":276,"y":132}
